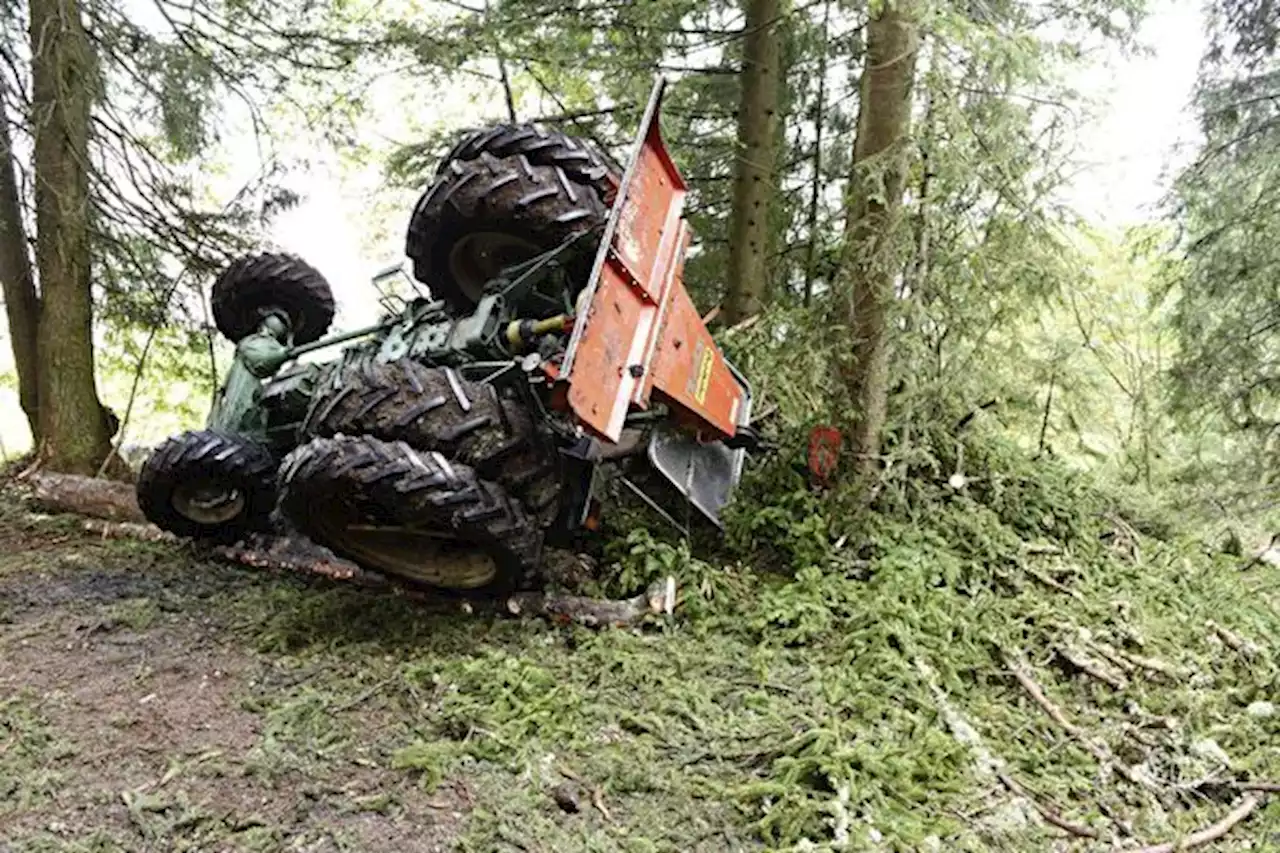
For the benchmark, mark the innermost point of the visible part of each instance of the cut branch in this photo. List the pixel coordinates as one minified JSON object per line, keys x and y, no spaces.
{"x":1130,"y":662}
{"x":1037,"y":695}
{"x":1209,"y":834}
{"x":1053,"y":584}
{"x":1097,"y":749}
{"x":1049,"y":813}
{"x":1245,"y":647}
{"x":593,"y":612}
{"x":1091,"y":668}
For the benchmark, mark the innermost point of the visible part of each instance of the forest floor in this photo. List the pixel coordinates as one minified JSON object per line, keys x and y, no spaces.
{"x":150,"y":700}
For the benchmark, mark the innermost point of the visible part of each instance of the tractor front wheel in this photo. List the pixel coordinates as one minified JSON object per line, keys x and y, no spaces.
{"x":255,"y":286}
{"x":413,"y":515}
{"x":208,"y":485}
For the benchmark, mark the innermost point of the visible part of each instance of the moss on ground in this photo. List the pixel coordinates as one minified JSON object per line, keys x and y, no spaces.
{"x":857,"y":698}
{"x":30,"y":754}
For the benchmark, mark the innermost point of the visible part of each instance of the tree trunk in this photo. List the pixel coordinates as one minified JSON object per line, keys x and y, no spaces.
{"x":755,"y":171}
{"x":17,"y":280}
{"x":73,"y":427}
{"x":815,"y":190}
{"x":872,"y":234}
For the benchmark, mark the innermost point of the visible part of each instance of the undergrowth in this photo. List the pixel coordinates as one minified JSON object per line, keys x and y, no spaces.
{"x":808,"y":680}
{"x":966,"y":557}
{"x":840,"y":674}
{"x":30,"y":754}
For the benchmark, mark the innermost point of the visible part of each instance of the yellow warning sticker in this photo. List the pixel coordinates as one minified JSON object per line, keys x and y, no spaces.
{"x":704,"y":375}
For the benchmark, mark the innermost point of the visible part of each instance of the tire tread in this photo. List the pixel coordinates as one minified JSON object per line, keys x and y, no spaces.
{"x":410,"y":487}
{"x":404,"y":400}
{"x":200,"y":453}
{"x":255,"y":283}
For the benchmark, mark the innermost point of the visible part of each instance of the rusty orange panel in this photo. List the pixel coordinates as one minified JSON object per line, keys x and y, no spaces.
{"x":639,"y":331}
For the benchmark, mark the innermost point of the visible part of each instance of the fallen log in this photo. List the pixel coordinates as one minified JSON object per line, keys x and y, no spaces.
{"x":128,"y":530}
{"x":107,"y":499}
{"x":296,"y":553}
{"x":258,"y":550}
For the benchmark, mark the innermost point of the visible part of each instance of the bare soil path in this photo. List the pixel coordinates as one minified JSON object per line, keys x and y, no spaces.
{"x":135,"y":716}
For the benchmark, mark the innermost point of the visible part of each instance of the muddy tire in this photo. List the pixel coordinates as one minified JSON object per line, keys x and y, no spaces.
{"x":485,"y":214}
{"x":208,"y":485}
{"x":422,"y":406}
{"x":411,"y":514}
{"x":254,"y":286}
{"x":578,"y":158}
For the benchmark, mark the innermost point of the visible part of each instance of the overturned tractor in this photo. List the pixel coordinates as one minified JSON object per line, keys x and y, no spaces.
{"x":557,"y":356}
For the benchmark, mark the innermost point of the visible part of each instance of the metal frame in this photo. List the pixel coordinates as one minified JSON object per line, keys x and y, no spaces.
{"x":684,"y":481}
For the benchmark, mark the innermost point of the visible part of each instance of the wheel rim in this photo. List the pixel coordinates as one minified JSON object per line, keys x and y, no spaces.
{"x":208,"y":502}
{"x":435,"y":557}
{"x":477,"y":259}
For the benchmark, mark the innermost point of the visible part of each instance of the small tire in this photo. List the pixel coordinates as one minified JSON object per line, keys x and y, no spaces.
{"x":208,"y":485}
{"x":256,"y":285}
{"x":368,"y":499}
{"x":578,"y":158}
{"x":422,"y":406}
{"x":489,"y":213}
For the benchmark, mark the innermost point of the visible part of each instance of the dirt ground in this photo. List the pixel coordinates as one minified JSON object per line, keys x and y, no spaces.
{"x":151,"y":700}
{"x":129,"y":720}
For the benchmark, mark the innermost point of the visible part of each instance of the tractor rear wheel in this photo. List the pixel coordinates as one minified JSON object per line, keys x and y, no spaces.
{"x":578,"y":158}
{"x":428,"y":409}
{"x":410,"y":514}
{"x":208,"y":485}
{"x":257,"y":285}
{"x":483,"y":215}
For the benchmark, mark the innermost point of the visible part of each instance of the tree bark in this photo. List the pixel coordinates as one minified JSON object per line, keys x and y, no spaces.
{"x":755,"y":171}
{"x":98,"y":498}
{"x":73,"y":426}
{"x":17,"y":279}
{"x":872,"y":248}
{"x":815,"y":191}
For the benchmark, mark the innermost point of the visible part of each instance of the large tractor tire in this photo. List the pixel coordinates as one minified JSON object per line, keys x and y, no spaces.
{"x":431,"y":410}
{"x":580,"y":161}
{"x":483,"y":215}
{"x":257,"y":285}
{"x":208,"y":485}
{"x":410,"y":514}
